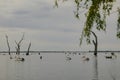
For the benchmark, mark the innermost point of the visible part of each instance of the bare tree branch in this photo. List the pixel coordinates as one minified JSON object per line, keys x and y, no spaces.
{"x":19,"y":45}
{"x":95,"y":42}
{"x":21,"y":39}
{"x":8,"y":44}
{"x":28,"y":49}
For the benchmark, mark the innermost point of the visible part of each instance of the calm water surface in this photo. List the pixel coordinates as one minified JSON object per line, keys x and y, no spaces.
{"x":60,"y":66}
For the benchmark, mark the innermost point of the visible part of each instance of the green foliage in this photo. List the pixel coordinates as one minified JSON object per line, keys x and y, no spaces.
{"x":97,"y":10}
{"x":56,"y":3}
{"x":118,"y":24}
{"x":96,"y":16}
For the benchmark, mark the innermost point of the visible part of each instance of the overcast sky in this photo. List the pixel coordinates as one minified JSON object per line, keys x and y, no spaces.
{"x":49,"y":28}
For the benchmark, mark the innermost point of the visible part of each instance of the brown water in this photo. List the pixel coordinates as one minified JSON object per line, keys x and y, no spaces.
{"x":60,"y":66}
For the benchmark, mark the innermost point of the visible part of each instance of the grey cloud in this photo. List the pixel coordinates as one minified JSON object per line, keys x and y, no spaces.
{"x":44,"y":17}
{"x":54,"y":26}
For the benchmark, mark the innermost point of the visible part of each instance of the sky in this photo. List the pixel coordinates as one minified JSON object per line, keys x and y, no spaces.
{"x":49,"y":28}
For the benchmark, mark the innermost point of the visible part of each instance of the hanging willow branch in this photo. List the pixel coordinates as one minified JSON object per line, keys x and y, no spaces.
{"x":96,"y":12}
{"x":118,"y":24}
{"x":94,"y":17}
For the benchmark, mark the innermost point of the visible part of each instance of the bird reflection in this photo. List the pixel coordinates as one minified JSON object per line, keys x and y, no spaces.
{"x":68,"y":58}
{"x":85,"y":58}
{"x":111,"y":56}
{"x":39,"y":53}
{"x":40,"y":57}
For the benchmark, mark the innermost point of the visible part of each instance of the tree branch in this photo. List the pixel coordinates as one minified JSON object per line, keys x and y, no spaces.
{"x":8,"y":44}
{"x":28,"y":49}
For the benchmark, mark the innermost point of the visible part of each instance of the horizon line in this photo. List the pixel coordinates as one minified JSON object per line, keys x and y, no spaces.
{"x":54,"y":51}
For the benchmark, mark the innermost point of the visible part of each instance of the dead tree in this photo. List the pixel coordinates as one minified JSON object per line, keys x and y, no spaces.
{"x":28,"y":49}
{"x":95,"y":42}
{"x":19,"y":45}
{"x":95,"y":61}
{"x":8,"y":44}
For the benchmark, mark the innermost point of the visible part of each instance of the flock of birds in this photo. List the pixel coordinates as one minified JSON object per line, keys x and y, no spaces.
{"x":86,"y":58}
{"x":18,"y":58}
{"x":68,"y":58}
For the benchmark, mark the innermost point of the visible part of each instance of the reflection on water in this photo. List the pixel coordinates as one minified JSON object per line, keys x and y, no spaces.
{"x":95,"y":68}
{"x":61,"y":67}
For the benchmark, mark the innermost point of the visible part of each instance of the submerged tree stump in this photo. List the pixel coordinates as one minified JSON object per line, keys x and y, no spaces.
{"x":95,"y":42}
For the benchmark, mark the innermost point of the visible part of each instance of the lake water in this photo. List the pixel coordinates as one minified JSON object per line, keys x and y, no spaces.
{"x":60,"y":66}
